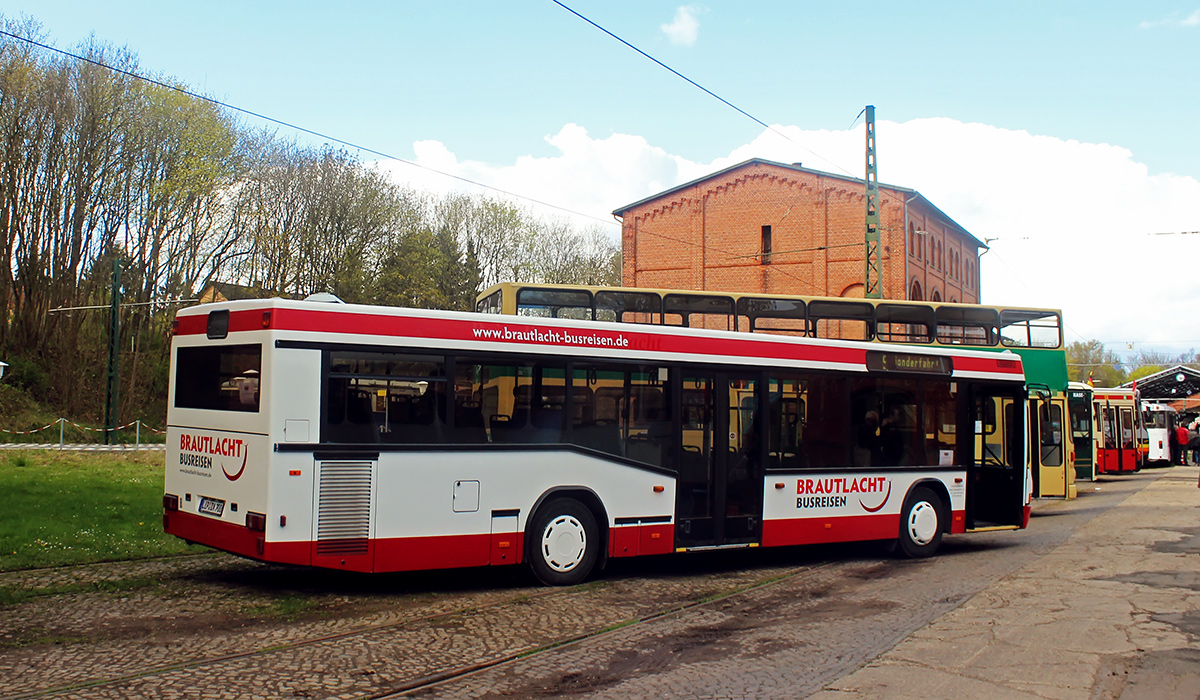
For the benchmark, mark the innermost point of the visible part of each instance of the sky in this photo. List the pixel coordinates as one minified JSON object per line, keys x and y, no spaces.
{"x":1065,"y":134}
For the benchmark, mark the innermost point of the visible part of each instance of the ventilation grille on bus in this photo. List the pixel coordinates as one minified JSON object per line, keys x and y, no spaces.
{"x":344,"y":508}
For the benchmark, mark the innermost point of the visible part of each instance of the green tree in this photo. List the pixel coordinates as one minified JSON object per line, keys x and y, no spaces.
{"x":1092,"y":359}
{"x":1144,"y":371}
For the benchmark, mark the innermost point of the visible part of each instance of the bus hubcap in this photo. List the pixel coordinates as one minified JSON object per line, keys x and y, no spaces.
{"x":564,"y":543}
{"x":922,"y":523}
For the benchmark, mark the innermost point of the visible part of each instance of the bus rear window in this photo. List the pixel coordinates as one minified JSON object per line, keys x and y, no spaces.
{"x":218,"y":377}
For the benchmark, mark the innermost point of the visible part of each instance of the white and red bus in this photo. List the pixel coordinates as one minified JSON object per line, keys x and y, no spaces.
{"x":1118,"y":422}
{"x":1159,"y":421}
{"x":384,"y":439}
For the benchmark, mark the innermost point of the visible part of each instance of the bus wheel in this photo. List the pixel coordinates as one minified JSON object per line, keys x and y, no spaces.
{"x":563,"y":543}
{"x":921,"y":523}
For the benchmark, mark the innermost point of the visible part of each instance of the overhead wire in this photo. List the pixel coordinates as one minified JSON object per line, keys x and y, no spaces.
{"x":356,"y":146}
{"x":295,"y":127}
{"x":700,"y":87}
{"x":507,"y":193}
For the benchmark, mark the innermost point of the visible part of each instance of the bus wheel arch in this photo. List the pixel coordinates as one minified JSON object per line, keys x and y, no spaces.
{"x":923,"y":519}
{"x":566,"y":536}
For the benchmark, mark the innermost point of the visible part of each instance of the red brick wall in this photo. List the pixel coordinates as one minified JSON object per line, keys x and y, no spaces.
{"x":708,"y":237}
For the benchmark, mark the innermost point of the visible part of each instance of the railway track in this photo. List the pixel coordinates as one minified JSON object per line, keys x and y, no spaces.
{"x":440,"y":638}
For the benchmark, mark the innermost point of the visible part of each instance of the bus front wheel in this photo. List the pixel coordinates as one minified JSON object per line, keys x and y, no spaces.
{"x":921,"y":523}
{"x":563,"y":543}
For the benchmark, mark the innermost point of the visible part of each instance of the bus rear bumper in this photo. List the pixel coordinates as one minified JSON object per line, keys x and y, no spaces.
{"x":235,"y":539}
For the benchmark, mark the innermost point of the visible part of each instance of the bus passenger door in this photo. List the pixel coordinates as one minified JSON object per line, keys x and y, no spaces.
{"x":1051,"y":476}
{"x":1129,"y":453}
{"x":1106,"y":457}
{"x":719,"y":491}
{"x":996,"y":479}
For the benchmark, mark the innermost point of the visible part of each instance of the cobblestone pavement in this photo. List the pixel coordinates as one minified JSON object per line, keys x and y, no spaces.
{"x":197,"y":627}
{"x":782,"y":641}
{"x":770,"y":623}
{"x":1113,"y":613}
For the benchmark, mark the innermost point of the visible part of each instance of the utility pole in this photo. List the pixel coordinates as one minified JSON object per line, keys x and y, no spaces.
{"x":872,"y":283}
{"x":114,"y":347}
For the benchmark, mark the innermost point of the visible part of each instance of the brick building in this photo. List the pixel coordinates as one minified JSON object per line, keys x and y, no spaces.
{"x":774,"y":228}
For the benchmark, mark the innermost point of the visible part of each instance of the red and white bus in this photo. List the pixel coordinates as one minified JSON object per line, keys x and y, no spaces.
{"x":1159,"y":421}
{"x":378,"y":439}
{"x":1118,"y":422}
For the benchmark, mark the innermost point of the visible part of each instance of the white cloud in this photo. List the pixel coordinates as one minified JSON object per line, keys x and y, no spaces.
{"x":684,"y":29}
{"x":1191,"y":20}
{"x":586,"y":181}
{"x":1071,"y":220}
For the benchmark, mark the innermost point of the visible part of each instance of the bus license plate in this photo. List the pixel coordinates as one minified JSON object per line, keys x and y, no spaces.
{"x":211,"y":506}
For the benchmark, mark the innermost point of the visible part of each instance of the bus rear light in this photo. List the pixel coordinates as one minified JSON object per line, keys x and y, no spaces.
{"x":659,"y":489}
{"x":266,"y":319}
{"x":175,"y":327}
{"x":256,"y":521}
{"x":170,"y":502}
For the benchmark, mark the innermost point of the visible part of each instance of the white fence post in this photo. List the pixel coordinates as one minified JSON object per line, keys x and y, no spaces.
{"x":62,"y":424}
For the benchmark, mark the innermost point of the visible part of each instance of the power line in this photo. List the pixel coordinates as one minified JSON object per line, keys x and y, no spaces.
{"x":708,"y":92}
{"x":356,"y":146}
{"x":295,"y":127}
{"x":387,"y":156}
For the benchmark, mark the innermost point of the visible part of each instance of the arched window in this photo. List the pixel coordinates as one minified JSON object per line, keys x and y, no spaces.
{"x":914,"y":293}
{"x":937,"y":296}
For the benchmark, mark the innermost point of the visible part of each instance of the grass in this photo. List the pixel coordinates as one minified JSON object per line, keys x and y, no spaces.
{"x":14,"y":596}
{"x":60,"y":508}
{"x":288,"y":607}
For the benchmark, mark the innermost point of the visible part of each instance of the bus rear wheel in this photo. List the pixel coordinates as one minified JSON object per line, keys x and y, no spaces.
{"x":563,"y":543}
{"x":921,"y":523}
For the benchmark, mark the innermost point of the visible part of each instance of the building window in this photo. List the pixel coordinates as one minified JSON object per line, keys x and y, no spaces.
{"x":766,"y":245}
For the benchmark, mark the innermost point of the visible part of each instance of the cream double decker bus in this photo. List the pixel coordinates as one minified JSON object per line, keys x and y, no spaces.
{"x":370,"y":438}
{"x":1033,"y":333}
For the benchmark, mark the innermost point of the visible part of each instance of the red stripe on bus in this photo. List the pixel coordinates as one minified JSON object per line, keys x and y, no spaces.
{"x":466,"y":330}
{"x":352,"y":323}
{"x":640,"y":540}
{"x":1001,"y":365}
{"x":849,"y":528}
{"x":401,"y":553}
{"x":247,"y":320}
{"x":440,"y":552}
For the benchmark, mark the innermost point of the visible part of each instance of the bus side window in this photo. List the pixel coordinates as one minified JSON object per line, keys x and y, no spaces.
{"x":349,"y":414}
{"x":647,"y":425}
{"x":1050,"y":428}
{"x":810,"y":427}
